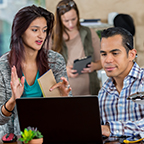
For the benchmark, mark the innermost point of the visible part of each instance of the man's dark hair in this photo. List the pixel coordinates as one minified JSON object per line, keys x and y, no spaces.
{"x":127,"y":38}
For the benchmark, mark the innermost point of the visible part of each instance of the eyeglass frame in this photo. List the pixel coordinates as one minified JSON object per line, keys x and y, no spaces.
{"x":71,"y":4}
{"x":130,"y":47}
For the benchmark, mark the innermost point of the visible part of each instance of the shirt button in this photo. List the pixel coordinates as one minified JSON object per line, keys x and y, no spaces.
{"x":134,"y":133}
{"x":120,"y":105}
{"x":117,"y":131}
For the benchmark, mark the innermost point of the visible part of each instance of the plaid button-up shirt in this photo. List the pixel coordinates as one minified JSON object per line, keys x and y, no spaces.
{"x":123,"y":116}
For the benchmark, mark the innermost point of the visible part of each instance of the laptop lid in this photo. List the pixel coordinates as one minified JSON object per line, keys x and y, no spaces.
{"x":62,"y":119}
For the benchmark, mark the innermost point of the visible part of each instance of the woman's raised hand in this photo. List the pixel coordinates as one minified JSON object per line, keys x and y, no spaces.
{"x":17,"y":85}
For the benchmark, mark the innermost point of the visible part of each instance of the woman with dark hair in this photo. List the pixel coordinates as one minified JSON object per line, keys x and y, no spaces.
{"x":74,"y":41}
{"x":27,"y":60}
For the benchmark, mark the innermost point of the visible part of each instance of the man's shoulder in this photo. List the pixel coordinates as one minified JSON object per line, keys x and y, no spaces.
{"x":108,"y":84}
{"x":137,"y":71}
{"x":141,"y":69}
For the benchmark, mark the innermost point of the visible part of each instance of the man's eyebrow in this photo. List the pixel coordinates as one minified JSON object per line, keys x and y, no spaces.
{"x":101,"y":51}
{"x":114,"y":50}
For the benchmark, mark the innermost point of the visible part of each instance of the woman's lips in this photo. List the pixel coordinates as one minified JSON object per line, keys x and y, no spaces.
{"x":71,"y":28}
{"x":39,"y":42}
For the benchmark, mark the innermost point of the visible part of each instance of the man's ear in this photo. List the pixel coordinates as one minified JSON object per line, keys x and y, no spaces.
{"x":132,"y":54}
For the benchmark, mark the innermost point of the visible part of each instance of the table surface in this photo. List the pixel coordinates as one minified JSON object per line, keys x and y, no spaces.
{"x":110,"y":140}
{"x":113,"y":142}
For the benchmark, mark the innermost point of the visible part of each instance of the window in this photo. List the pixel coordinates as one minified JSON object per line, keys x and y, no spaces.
{"x":3,"y":3}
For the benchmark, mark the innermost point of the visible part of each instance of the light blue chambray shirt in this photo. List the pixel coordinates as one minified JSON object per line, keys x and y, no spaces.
{"x":124,"y":116}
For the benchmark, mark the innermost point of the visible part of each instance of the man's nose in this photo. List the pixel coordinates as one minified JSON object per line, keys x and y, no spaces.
{"x":109,"y":58}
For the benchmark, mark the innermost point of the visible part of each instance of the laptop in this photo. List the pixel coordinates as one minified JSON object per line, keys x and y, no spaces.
{"x":62,"y":119}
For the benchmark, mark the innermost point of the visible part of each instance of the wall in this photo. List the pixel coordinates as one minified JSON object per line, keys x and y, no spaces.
{"x":101,"y":8}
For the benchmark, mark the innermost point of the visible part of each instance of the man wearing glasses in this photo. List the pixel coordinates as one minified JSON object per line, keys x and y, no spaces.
{"x":121,"y":117}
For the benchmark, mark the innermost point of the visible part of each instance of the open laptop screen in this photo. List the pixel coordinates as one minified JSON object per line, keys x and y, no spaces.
{"x":62,"y":119}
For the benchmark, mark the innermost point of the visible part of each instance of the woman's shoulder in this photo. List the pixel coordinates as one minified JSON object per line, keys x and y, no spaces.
{"x":93,"y":32}
{"x":84,"y":27}
{"x":55,"y":56}
{"x":56,"y":63}
{"x":4,"y":66}
{"x":4,"y":60}
{"x":4,"y":56}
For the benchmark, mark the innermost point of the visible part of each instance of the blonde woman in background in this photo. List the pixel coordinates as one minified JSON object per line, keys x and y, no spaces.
{"x":74,"y":41}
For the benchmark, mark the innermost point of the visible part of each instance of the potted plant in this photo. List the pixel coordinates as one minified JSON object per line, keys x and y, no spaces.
{"x":31,"y":136}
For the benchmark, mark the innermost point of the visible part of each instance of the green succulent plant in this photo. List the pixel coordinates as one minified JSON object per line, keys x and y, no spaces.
{"x":29,"y":134}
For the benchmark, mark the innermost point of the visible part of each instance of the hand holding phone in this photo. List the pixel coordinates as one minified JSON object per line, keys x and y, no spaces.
{"x":71,"y":72}
{"x":79,"y":64}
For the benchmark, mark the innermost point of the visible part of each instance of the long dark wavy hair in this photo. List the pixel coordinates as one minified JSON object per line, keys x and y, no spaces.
{"x":62,"y":7}
{"x":21,"y":22}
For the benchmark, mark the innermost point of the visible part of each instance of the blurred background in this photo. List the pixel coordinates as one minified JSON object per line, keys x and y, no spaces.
{"x":89,"y":9}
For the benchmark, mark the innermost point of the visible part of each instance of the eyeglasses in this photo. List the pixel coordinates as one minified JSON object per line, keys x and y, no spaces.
{"x":70,"y":4}
{"x":129,"y":46}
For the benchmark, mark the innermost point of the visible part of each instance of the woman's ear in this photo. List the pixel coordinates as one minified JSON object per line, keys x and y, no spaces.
{"x":132,"y":54}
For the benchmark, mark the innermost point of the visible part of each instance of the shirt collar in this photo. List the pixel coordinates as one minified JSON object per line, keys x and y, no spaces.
{"x":135,"y":71}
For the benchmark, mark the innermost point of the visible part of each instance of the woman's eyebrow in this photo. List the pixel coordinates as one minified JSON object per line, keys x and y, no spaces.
{"x":39,"y":26}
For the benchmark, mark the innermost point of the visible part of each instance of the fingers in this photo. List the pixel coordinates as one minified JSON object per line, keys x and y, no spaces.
{"x":14,"y":74}
{"x":14,"y":77}
{"x":63,"y":86}
{"x":71,"y":72}
{"x":67,"y":91}
{"x":105,"y":130}
{"x":86,"y":70}
{"x":55,"y":86}
{"x":17,"y":85}
{"x":74,"y":75}
{"x":70,"y":66}
{"x":22,"y":80}
{"x":64,"y":82}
